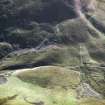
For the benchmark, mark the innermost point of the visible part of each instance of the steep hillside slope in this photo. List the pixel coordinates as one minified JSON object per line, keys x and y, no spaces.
{"x":52,"y":52}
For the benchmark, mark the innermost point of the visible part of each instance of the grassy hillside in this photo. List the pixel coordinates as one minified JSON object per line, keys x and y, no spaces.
{"x":52,"y":52}
{"x":26,"y":87}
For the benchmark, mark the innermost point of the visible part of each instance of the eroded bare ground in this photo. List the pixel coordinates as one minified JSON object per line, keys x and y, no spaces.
{"x":52,"y":56}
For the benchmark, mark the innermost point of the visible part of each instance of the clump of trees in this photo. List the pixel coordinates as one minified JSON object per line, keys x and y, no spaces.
{"x":5,"y":48}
